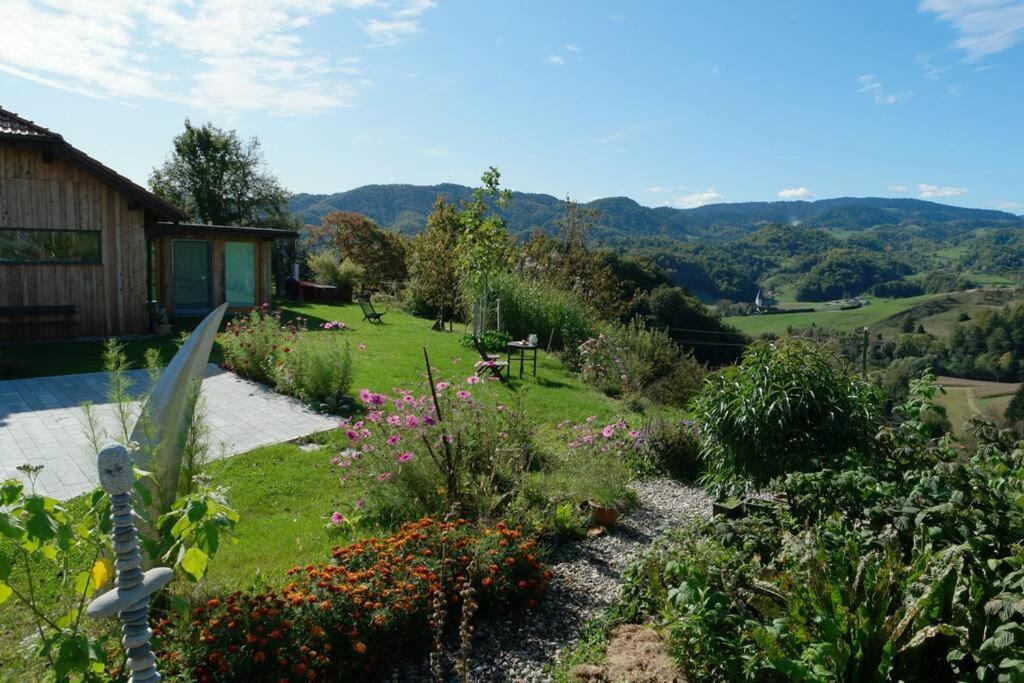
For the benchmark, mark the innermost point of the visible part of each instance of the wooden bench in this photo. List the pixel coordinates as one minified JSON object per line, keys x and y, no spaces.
{"x":35,"y":322}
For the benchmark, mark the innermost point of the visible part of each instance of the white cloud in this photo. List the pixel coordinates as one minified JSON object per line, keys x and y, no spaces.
{"x":796,"y":193}
{"x":929,"y":70}
{"x":690,"y":201}
{"x":926,"y":191}
{"x":218,"y":55}
{"x":390,"y":31}
{"x":955,"y":90}
{"x":870,"y":85}
{"x":1008,"y":206}
{"x":414,"y":8}
{"x":573,"y":48}
{"x":556,"y":60}
{"x":898,"y":188}
{"x":657,"y":189}
{"x":983,"y":27}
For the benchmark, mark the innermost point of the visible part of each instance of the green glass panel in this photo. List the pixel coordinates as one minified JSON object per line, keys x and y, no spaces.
{"x":191,"y":271}
{"x":240,"y":273}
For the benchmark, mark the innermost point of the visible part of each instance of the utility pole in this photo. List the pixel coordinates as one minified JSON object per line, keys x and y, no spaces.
{"x":864,"y":355}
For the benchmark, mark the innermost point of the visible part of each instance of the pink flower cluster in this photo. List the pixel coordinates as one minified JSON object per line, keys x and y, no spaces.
{"x":333,"y":325}
{"x":612,"y":436}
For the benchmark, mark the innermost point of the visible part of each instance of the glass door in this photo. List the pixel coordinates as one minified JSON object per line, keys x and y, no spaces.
{"x":240,"y":273}
{"x":190,"y":272}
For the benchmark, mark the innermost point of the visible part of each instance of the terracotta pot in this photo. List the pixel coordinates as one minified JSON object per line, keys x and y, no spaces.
{"x":603,"y":515}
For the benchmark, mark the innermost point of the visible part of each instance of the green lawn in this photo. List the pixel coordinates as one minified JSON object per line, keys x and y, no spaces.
{"x":870,"y":315}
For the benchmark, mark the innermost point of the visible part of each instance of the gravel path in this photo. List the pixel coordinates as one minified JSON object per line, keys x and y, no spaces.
{"x":587,"y":576}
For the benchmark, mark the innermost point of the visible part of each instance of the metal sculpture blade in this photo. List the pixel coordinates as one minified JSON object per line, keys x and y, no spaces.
{"x":161,"y":428}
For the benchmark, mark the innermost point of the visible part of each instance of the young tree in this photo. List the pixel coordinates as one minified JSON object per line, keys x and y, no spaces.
{"x":484,"y":247}
{"x":216,"y":177}
{"x":432,"y":269}
{"x":355,"y":237}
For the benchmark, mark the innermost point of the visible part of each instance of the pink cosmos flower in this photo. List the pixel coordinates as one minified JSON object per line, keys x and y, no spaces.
{"x":405,"y":457}
{"x":447,"y":438}
{"x":472,"y":379}
{"x":374,"y":416}
{"x":408,"y":399}
{"x":335,"y":461}
{"x":337,"y":518}
{"x":634,"y":433}
{"x":411,"y":421}
{"x":429,"y":421}
{"x":394,"y":420}
{"x":384,"y":476}
{"x":441,"y":386}
{"x":463,"y":394}
{"x":352,"y":435}
{"x":367,"y":447}
{"x":393,"y":439}
{"x":588,"y":439}
{"x":608,"y":432}
{"x":364,"y":395}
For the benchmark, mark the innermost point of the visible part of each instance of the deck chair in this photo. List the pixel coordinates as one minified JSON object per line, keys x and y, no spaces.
{"x":490,"y":362}
{"x":369,"y":313}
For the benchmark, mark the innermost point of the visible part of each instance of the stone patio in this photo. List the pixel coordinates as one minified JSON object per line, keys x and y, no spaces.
{"x":42,"y":423}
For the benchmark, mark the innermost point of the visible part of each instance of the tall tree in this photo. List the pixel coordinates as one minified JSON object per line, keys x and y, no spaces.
{"x":357,"y":238}
{"x":216,"y":177}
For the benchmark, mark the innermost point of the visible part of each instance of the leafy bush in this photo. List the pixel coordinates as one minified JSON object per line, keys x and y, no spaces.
{"x":252,"y":342}
{"x":470,"y":454}
{"x":530,"y":306}
{"x":788,"y":406}
{"x":632,"y":358}
{"x":491,"y":340}
{"x":901,"y":567}
{"x":315,"y":370}
{"x":330,"y":269}
{"x":895,"y":289}
{"x":673,"y":447}
{"x":350,"y":619}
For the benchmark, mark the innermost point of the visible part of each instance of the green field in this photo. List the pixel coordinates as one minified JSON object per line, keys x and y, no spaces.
{"x":965,"y":398}
{"x":870,"y":315}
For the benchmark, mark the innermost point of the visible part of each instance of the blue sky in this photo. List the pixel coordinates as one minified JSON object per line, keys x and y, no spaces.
{"x":677,"y":103}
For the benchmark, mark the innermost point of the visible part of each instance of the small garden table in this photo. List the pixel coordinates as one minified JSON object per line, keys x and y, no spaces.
{"x":520,"y":348}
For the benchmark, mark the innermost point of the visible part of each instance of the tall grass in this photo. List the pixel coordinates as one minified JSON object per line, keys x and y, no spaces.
{"x":534,"y":307}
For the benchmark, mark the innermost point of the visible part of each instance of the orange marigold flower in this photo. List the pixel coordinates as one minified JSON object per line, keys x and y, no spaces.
{"x":359,"y":647}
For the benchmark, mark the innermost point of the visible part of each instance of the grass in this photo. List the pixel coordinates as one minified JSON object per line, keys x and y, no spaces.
{"x":872,"y":314}
{"x":965,"y":398}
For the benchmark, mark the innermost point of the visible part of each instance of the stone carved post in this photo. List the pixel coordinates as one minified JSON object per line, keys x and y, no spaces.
{"x":133,"y":588}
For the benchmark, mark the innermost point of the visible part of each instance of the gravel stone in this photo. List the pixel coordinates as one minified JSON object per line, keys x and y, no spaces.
{"x":587,"y":575}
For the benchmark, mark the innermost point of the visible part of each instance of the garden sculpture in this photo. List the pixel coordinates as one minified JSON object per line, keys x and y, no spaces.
{"x":166,"y":413}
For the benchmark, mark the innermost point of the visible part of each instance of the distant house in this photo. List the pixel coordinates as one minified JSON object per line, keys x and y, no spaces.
{"x":83,"y":249}
{"x":765,"y":302}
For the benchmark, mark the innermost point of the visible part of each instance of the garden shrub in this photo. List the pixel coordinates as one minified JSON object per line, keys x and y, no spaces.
{"x":907,"y":566}
{"x":494,"y":341}
{"x":531,"y":306}
{"x":625,"y":359}
{"x":351,"y":619}
{"x":472,"y":459}
{"x":672,"y":446}
{"x":315,"y":369}
{"x":252,"y":342}
{"x":789,"y":405}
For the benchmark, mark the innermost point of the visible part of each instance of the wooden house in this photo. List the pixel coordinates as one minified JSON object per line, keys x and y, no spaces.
{"x":83,"y":250}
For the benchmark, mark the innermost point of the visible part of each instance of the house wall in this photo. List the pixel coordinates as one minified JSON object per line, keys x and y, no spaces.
{"x":163,"y":268}
{"x":110,"y":296}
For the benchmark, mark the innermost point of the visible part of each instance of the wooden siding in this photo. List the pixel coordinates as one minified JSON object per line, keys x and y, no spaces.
{"x":110,"y":297}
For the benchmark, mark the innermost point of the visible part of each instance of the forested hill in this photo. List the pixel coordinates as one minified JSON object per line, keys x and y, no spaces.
{"x":405,"y":208}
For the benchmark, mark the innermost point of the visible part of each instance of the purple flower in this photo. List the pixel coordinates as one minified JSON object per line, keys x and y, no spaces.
{"x":337,"y":518}
{"x":405,"y":457}
{"x":428,"y":420}
{"x":635,"y":433}
{"x":411,"y":421}
{"x":384,"y":476}
{"x":335,"y":461}
{"x":393,"y":439}
{"x":364,"y":395}
{"x":463,"y":394}
{"x":441,"y":386}
{"x":352,"y":435}
{"x":608,"y":432}
{"x":394,"y":420}
{"x":472,"y":379}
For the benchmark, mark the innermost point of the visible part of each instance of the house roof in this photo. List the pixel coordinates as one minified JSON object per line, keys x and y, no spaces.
{"x":169,"y":228}
{"x":17,"y":130}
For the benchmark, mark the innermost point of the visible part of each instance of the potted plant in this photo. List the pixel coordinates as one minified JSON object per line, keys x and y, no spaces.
{"x":158,"y":316}
{"x":602,"y":512}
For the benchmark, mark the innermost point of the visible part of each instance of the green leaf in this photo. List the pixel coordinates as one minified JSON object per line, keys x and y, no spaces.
{"x":73,"y":655}
{"x":181,"y":606}
{"x":5,"y":566}
{"x":5,"y":592}
{"x":194,"y":563}
{"x":10,"y":528}
{"x":10,"y":491}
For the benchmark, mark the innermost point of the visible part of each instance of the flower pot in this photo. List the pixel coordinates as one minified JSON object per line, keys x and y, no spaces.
{"x":603,"y":515}
{"x":162,"y":330}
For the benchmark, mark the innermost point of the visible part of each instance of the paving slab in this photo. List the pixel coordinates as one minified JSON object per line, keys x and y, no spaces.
{"x":42,"y":422}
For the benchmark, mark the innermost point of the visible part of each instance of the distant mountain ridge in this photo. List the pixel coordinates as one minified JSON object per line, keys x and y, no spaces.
{"x":404,"y":208}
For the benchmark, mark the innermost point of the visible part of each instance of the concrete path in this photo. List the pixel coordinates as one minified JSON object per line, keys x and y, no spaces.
{"x":42,"y":423}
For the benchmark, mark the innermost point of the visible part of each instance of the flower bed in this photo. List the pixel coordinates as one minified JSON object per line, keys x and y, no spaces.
{"x":346,"y":620}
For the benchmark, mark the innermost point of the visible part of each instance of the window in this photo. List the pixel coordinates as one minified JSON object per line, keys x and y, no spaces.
{"x":240,"y":273}
{"x":19,"y":245}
